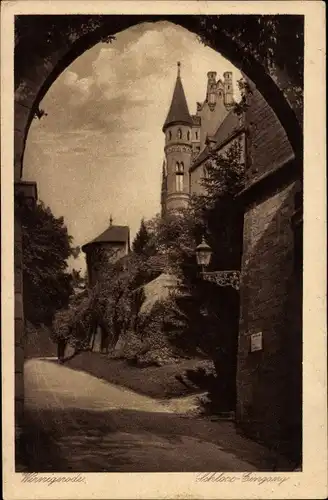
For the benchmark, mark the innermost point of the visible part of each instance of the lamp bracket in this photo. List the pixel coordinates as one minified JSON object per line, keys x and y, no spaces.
{"x":223,"y":278}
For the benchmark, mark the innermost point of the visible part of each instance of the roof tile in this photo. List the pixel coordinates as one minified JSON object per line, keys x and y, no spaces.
{"x":178,"y":112}
{"x":113,"y":234}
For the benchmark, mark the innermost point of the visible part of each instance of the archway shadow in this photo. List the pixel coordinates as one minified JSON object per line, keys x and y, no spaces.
{"x":76,"y":440}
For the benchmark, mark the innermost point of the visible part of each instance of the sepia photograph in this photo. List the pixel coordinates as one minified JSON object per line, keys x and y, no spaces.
{"x":158,"y":245}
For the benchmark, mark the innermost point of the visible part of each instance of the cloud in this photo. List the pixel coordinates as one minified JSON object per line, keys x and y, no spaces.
{"x":130,"y":82}
{"x":100,"y":148}
{"x":80,"y":87}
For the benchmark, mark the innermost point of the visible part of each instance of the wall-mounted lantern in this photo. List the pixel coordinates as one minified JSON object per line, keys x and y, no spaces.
{"x":229,"y":277}
{"x":203,"y":254}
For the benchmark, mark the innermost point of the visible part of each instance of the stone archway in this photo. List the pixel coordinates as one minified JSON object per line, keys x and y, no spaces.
{"x":42,"y":54}
{"x":59,"y":40}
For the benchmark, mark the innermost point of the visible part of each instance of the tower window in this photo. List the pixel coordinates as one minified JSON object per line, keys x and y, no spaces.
{"x":188,"y":136}
{"x":196,"y":135}
{"x":179,"y":172}
{"x":169,"y":135}
{"x":179,"y":133}
{"x":212,"y":98}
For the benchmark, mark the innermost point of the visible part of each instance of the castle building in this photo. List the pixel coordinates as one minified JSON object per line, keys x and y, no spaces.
{"x":190,"y":138}
{"x":269,"y":357}
{"x":110,"y":246}
{"x":113,"y":243}
{"x":269,"y":353}
{"x":178,"y":129}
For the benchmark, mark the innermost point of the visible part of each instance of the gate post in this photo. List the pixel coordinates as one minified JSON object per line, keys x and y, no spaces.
{"x":25,"y":193}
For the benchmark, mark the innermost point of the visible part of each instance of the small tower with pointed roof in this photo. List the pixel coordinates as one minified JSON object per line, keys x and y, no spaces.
{"x":178,"y":150}
{"x":110,"y":246}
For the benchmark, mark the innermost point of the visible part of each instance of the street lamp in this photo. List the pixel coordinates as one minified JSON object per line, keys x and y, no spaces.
{"x":203,"y":254}
{"x":230,"y":277}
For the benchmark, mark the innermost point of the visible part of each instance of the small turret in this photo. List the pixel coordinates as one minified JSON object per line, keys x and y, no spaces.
{"x":211,"y":79}
{"x":178,"y":149}
{"x":228,"y":88}
{"x":178,"y":112}
{"x":211,"y":93}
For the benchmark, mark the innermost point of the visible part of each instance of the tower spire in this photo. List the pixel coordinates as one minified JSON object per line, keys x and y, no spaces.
{"x":110,"y":220}
{"x":178,"y":112}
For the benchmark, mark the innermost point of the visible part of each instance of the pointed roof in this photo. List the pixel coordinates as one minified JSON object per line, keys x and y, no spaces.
{"x":113,"y":234}
{"x":178,"y":112}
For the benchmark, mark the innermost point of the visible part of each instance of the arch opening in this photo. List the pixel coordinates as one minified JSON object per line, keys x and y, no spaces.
{"x":70,"y":36}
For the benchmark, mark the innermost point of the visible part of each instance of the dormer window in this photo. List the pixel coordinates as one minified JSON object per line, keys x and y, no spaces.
{"x":179,"y":172}
{"x":212,"y":99}
{"x":179,"y":133}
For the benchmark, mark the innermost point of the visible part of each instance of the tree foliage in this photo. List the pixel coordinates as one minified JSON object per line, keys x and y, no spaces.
{"x":142,"y":244}
{"x":265,"y":37}
{"x":215,"y":214}
{"x":202,"y":317}
{"x":78,"y":281}
{"x":108,"y":304}
{"x":46,"y":248}
{"x":75,"y":323}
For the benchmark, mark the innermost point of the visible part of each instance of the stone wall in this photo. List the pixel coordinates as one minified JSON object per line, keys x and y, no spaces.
{"x":211,"y":118}
{"x":96,"y":254}
{"x":19,"y":324}
{"x":158,"y":290}
{"x":267,"y":146}
{"x":267,"y":275}
{"x":25,"y":193}
{"x":269,"y":380}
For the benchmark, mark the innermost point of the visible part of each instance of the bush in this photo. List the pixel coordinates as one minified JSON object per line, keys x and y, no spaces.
{"x":156,"y":357}
{"x":147,"y":344}
{"x":75,"y":325}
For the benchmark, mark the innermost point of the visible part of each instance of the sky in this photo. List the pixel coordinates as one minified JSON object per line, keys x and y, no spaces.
{"x":100,"y":149}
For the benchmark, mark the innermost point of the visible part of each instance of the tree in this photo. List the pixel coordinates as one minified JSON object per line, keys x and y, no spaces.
{"x":203,"y":318}
{"x":265,"y":38}
{"x":215,"y":214}
{"x":141,"y":241}
{"x":46,"y":248}
{"x":75,"y":324}
{"x":78,"y":281}
{"x":115,"y":296}
{"x":222,"y":214}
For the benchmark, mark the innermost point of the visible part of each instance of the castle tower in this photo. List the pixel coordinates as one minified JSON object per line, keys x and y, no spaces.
{"x":178,"y":150}
{"x":228,"y":88}
{"x":164,"y":188}
{"x":211,"y":93}
{"x":214,"y":109}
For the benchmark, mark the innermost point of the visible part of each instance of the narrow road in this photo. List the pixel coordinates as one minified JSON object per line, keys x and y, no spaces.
{"x":78,"y":423}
